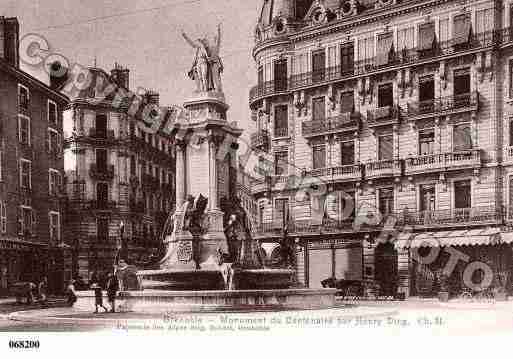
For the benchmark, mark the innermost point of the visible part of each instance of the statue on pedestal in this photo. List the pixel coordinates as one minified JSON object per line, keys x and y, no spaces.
{"x":207,"y":66}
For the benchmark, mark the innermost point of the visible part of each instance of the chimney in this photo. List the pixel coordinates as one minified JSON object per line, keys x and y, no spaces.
{"x":121,"y":76}
{"x":10,"y":40}
{"x":153,"y":97}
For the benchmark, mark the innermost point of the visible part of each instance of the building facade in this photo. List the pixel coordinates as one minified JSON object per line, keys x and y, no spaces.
{"x":119,"y":177}
{"x":384,"y":130}
{"x":31,"y":172}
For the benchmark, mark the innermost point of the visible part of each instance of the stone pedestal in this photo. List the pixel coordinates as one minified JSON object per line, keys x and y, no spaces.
{"x":213,"y":241}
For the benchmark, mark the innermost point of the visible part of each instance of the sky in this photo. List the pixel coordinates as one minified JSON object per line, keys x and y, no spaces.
{"x":145,"y":36}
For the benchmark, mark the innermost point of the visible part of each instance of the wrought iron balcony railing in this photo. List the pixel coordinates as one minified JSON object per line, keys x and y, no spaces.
{"x":452,"y":217}
{"x":444,"y":105}
{"x":102,"y":205}
{"x":101,"y":135}
{"x":382,"y":116}
{"x":343,"y":122}
{"x":102,"y":173}
{"x":348,"y":172}
{"x":443,"y":161}
{"x":383,"y":168}
{"x":260,"y":140}
{"x":379,"y":63}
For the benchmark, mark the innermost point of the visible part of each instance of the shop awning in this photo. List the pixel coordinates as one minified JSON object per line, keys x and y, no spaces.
{"x":473,"y":237}
{"x":17,"y":244}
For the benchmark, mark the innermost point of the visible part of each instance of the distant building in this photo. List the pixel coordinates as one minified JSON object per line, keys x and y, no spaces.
{"x":31,"y":172}
{"x":404,"y":107}
{"x":117,"y":176}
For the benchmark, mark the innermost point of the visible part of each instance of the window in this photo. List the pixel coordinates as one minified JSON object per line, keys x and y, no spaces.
{"x":101,"y":160}
{"x":24,"y":129}
{"x":54,"y":180}
{"x":132,"y":166}
{"x":405,"y":39}
{"x":3,"y":217}
{"x":426,"y":88}
{"x":347,"y":102}
{"x":347,"y":59}
{"x":102,"y":229}
{"x":281,"y":209}
{"x":347,"y":153}
{"x":510,"y":79}
{"x":426,"y":142}
{"x":260,"y":75}
{"x":318,"y":109}
{"x":462,"y":87}
{"x":25,"y":174}
{"x":484,"y":20}
{"x":23,"y":97}
{"x":427,"y":197}
{"x":386,"y":201}
{"x":52,"y":112}
{"x":26,"y":221}
{"x":444,"y":33}
{"x":462,"y":194}
{"x":510,"y":132}
{"x":102,"y":195}
{"x":101,"y":126}
{"x":54,"y":141}
{"x":366,"y":48}
{"x":385,"y":95}
{"x":462,"y":137}
{"x":281,"y":163}
{"x":385,"y":147}
{"x":462,"y":29}
{"x":319,"y":156}
{"x":1,"y":165}
{"x":281,"y":122}
{"x":427,"y":37}
{"x":318,"y":65}
{"x":347,"y":201}
{"x":55,"y":227}
{"x":280,"y":75}
{"x":385,"y":49}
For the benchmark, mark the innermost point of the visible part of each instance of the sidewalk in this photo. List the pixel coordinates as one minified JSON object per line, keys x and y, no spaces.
{"x":9,"y":305}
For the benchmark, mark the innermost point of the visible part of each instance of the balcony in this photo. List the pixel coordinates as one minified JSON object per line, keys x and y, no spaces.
{"x":259,"y":186}
{"x":260,"y":140}
{"x":452,"y":217}
{"x":398,"y":59}
{"x":383,"y":116}
{"x":107,"y":135}
{"x":101,"y":205}
{"x":281,"y":132}
{"x":102,"y":173}
{"x":443,"y":162}
{"x":339,"y":173}
{"x":137,"y":207}
{"x":443,"y":106}
{"x":340,"y":123}
{"x":384,"y":168}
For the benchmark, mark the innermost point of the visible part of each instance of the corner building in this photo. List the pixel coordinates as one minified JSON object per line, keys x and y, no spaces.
{"x":402,"y":108}
{"x":119,"y":177}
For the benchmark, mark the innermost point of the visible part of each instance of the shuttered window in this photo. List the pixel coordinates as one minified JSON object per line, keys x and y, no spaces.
{"x":427,"y":197}
{"x":386,"y":201}
{"x":319,"y":156}
{"x":318,"y":65}
{"x":385,"y":48}
{"x":461,"y":29}
{"x":347,"y":102}
{"x":385,"y":95}
{"x":427,"y":37}
{"x":462,"y":137}
{"x":347,"y":58}
{"x":385,"y":147}
{"x":3,"y":217}
{"x":405,"y":38}
{"x":281,"y":209}
{"x":281,"y":163}
{"x":366,"y":48}
{"x":319,"y":109}
{"x":426,"y":142}
{"x":281,"y":122}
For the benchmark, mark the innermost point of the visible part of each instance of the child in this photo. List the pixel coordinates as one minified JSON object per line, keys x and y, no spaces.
{"x":98,"y":296}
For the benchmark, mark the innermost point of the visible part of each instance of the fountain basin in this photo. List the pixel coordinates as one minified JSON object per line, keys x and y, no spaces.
{"x":160,"y":302}
{"x":245,"y":279}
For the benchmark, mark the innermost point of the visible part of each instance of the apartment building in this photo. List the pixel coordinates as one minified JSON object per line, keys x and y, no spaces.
{"x":384,"y":130}
{"x":119,"y":177}
{"x":31,"y":172}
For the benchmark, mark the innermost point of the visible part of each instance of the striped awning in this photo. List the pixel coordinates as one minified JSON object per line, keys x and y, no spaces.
{"x":473,"y":237}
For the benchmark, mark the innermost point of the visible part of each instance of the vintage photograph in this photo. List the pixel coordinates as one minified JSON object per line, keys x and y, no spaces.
{"x":240,"y":167}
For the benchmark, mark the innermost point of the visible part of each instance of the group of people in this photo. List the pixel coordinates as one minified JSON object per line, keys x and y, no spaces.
{"x":32,"y":292}
{"x":111,"y":286}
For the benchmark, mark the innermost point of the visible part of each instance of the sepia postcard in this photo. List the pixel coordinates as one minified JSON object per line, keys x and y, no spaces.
{"x":334,"y":170}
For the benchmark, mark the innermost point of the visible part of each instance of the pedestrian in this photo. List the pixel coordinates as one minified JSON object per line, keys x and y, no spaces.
{"x":70,"y":292}
{"x":43,"y":290}
{"x":112,"y":289}
{"x":98,"y":297}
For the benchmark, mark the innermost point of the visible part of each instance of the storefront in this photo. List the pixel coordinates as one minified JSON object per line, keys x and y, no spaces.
{"x":333,"y":258}
{"x":460,"y":260}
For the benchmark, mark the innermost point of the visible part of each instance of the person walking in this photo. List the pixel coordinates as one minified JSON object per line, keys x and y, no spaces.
{"x":70,"y":292}
{"x":98,"y":297}
{"x":112,"y":289}
{"x":43,"y":290}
